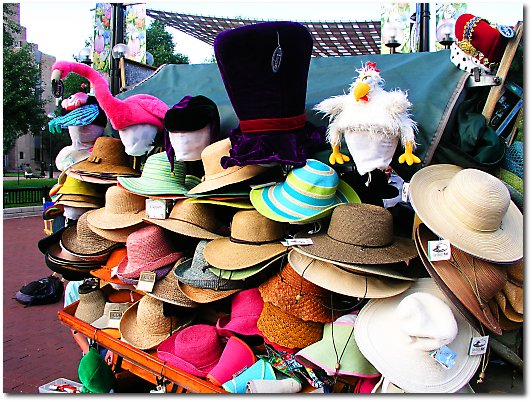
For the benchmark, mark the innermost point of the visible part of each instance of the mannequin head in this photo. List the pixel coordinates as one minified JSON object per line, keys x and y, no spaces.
{"x":138,"y":139}
{"x":188,"y":145}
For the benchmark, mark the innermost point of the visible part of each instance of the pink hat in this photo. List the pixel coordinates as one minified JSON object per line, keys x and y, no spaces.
{"x":195,"y":349}
{"x":147,"y":249}
{"x":246,"y":307}
{"x":236,"y":357}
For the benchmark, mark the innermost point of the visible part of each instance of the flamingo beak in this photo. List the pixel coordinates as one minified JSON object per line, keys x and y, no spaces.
{"x":56,"y":75}
{"x":57,"y":84}
{"x":361,"y":90}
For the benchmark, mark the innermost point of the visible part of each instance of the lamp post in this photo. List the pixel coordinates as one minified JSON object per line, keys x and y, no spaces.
{"x":84,"y":56}
{"x":119,"y":51}
{"x":392,"y":35}
{"x":117,"y":38}
{"x":445,"y":32}
{"x":51,"y":171}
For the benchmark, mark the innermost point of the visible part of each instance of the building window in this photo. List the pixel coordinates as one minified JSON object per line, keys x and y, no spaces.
{"x":21,"y":155}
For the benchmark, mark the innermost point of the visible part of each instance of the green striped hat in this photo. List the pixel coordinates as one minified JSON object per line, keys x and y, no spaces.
{"x":157,"y":178}
{"x":308,"y":193}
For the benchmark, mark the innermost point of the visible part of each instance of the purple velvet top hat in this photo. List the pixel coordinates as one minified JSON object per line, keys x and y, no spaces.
{"x":264,"y":68}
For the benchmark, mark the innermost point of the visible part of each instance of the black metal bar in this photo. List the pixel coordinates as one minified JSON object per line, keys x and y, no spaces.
{"x":424,"y":27}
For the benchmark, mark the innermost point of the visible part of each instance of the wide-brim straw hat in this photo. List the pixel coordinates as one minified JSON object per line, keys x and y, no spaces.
{"x":287,"y":330}
{"x":470,"y":208}
{"x":203,"y":295}
{"x":473,"y":281}
{"x":254,"y":239}
{"x":144,"y":326}
{"x":240,"y":203}
{"x":391,"y":351}
{"x":122,"y":209}
{"x":359,"y":234}
{"x":72,"y":186}
{"x":168,"y":291}
{"x":507,"y":309}
{"x":308,"y":194}
{"x":215,"y":175}
{"x":190,"y":219}
{"x":504,"y":322}
{"x":117,"y":235}
{"x":91,"y":179}
{"x":337,"y":280}
{"x":245,"y":273}
{"x":80,"y":201}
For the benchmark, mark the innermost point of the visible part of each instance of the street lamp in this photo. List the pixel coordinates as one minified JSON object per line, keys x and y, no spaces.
{"x":445,"y":32}
{"x":84,"y":56}
{"x":119,"y":51}
{"x":392,"y":35}
{"x":51,"y":171}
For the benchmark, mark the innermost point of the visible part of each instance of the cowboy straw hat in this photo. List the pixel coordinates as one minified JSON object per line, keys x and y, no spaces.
{"x":117,"y":235}
{"x":308,"y":193}
{"x":122,"y":209}
{"x":335,"y":279}
{"x":396,"y":334}
{"x":254,"y":239}
{"x":473,"y":281}
{"x":359,"y":234}
{"x":215,"y":175}
{"x":470,"y":208}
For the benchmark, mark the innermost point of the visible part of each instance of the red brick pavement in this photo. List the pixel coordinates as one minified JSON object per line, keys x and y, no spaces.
{"x":37,"y":348}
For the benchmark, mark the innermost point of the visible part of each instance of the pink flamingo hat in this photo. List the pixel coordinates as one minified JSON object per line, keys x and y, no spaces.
{"x":137,"y":109}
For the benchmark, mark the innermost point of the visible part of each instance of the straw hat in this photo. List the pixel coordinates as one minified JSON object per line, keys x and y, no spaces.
{"x":473,"y":281}
{"x":297,"y":296}
{"x":108,"y":156}
{"x":203,"y":295}
{"x":246,"y":307}
{"x":104,"y":321}
{"x":245,"y":273}
{"x":144,"y":325}
{"x":470,"y":208}
{"x":72,"y":186}
{"x":122,"y":209}
{"x":147,"y":249}
{"x":513,"y":288}
{"x":80,"y":240}
{"x":397,"y":333}
{"x":104,"y":272}
{"x":335,"y":279}
{"x":359,"y":234}
{"x":308,"y":193}
{"x":157,"y":178}
{"x":215,"y":175}
{"x":504,"y":322}
{"x":167,"y":290}
{"x":95,"y":178}
{"x":254,"y":239}
{"x":190,"y":219}
{"x":237,"y":202}
{"x":287,"y":330}
{"x":507,"y":309}
{"x":195,"y":349}
{"x":91,"y":303}
{"x":160,"y":273}
{"x":81,"y":201}
{"x":117,"y":235}
{"x":337,"y":352}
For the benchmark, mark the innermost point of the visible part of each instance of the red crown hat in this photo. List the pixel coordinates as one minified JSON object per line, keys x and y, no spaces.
{"x":480,"y":39}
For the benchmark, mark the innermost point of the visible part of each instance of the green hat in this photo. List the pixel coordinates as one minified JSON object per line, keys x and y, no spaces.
{"x":95,"y":374}
{"x":246,"y":272}
{"x":240,"y":203}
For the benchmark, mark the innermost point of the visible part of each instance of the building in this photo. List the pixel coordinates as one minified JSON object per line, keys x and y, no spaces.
{"x":28,"y":148}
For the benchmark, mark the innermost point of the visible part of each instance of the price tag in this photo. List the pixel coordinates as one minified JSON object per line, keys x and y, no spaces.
{"x":114,"y":271}
{"x":297,"y":242}
{"x":156,"y":208}
{"x":478,"y":345}
{"x":445,"y":356}
{"x":405,"y":195}
{"x":439,"y":250}
{"x":146,"y":281}
{"x":114,"y":318}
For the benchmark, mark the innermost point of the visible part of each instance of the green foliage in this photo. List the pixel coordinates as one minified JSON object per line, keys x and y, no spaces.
{"x":160,"y":44}
{"x":9,"y":25}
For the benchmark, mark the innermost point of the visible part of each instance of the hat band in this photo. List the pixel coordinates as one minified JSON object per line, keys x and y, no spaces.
{"x":362,"y":245}
{"x":251,"y":242}
{"x":274,"y":124}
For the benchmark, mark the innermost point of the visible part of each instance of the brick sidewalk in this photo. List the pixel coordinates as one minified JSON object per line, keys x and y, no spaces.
{"x":37,"y":348}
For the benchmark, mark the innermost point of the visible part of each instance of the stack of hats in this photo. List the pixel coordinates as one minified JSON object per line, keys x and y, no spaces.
{"x":108,"y":271}
{"x":507,"y":305}
{"x":79,"y":194}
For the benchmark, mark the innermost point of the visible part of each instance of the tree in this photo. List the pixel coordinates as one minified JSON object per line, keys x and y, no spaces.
{"x":161,"y":45}
{"x":23,"y":106}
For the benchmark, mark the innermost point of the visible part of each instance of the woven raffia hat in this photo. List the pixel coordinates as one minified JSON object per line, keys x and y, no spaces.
{"x":246,"y":307}
{"x":245,"y":273}
{"x":157,"y":178}
{"x":122,"y":209}
{"x":204,"y":295}
{"x":168,"y":291}
{"x":470,"y":208}
{"x":297,"y":296}
{"x":472,"y":282}
{"x":396,"y":334}
{"x":359,"y":234}
{"x":80,"y":240}
{"x":254,"y":239}
{"x":144,"y":325}
{"x":118,"y":235}
{"x":91,"y":303}
{"x":79,"y":201}
{"x":287,"y":330}
{"x":308,"y":193}
{"x":190,"y":219}
{"x":108,"y":156}
{"x":147,"y":249}
{"x":240,"y":202}
{"x":335,"y":279}
{"x":215,"y":175}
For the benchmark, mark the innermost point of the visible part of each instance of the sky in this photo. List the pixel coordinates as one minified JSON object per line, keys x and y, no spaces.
{"x":61,"y":28}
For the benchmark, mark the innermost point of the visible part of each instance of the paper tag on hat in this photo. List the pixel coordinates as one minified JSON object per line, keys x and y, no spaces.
{"x":146,"y":281}
{"x":478,"y":345}
{"x":445,"y":356}
{"x":256,"y":186}
{"x":297,"y":242}
{"x":114,"y":318}
{"x":439,"y":250}
{"x":156,"y":208}
{"x":114,"y":271}
{"x":405,"y":192}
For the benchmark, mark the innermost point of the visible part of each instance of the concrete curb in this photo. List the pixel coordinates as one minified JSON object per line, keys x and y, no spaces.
{"x":22,"y":212}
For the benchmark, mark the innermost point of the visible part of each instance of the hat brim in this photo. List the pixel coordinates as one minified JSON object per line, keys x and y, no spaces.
{"x":116,"y":235}
{"x":337,"y":280}
{"x":172,"y":294}
{"x":78,"y":204}
{"x":228,"y":255}
{"x":203,"y":296}
{"x":334,"y":251}
{"x":504,"y":245}
{"x":273,"y":204}
{"x":244,"y":273}
{"x":145,"y":186}
{"x":381,"y":341}
{"x":103,"y":219}
{"x":129,"y":271}
{"x":231,"y":175}
{"x":90,"y":179}
{"x":184,"y":228}
{"x":90,"y":167}
{"x":105,"y":275}
{"x":70,"y":242}
{"x":237,"y":203}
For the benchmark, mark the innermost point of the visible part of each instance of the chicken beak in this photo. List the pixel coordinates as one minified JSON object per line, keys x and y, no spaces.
{"x":361,"y":90}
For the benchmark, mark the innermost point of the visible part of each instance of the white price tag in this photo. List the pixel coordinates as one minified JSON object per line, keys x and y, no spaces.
{"x":146,"y":281}
{"x":439,"y":250}
{"x":297,"y":242}
{"x":114,"y":318}
{"x":156,"y":208}
{"x":114,"y":271}
{"x":405,"y":192}
{"x":445,"y":356}
{"x":478,"y":345}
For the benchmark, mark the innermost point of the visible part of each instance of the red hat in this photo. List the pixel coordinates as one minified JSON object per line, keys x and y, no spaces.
{"x":480,"y":39}
{"x":246,"y":307}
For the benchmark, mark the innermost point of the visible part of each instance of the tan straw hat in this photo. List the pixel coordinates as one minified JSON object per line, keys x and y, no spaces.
{"x":190,"y":219}
{"x":505,"y":323}
{"x":203,"y":295}
{"x":215,"y":175}
{"x":118,"y":235}
{"x":167,"y":290}
{"x":513,"y":288}
{"x":144,"y":326}
{"x":360,"y":234}
{"x":254,"y":239}
{"x":287,"y":330}
{"x":122,"y":209}
{"x":335,"y":279}
{"x":470,"y":208}
{"x":91,"y":303}
{"x":80,"y":201}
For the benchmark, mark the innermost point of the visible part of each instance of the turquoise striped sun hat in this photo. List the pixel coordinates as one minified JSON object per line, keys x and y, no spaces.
{"x":308,"y":193}
{"x":157,"y":178}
